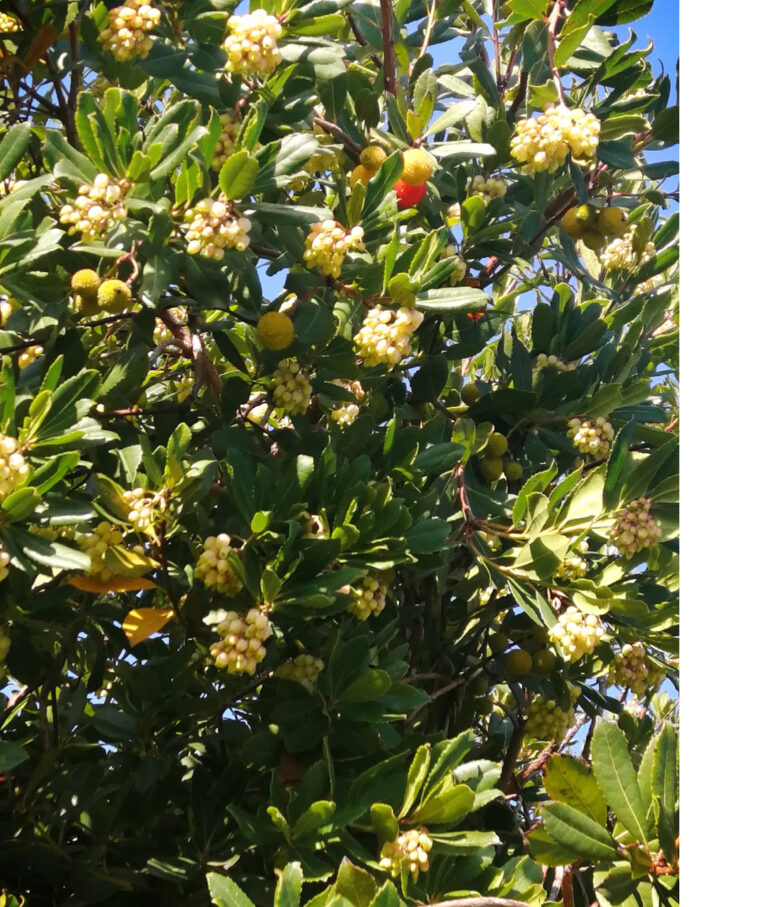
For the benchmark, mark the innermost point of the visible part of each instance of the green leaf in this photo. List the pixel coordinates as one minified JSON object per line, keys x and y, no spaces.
{"x":569,"y":780}
{"x":238,"y":175}
{"x":11,"y":755}
{"x":367,"y":686}
{"x":450,"y":806}
{"x":452,"y":299}
{"x":171,"y":160}
{"x":96,"y":137}
{"x":456,"y":842}
{"x":617,"y":779}
{"x":451,"y":116}
{"x":417,"y":774}
{"x":384,"y":821}
{"x":542,"y":555}
{"x":13,"y":146}
{"x":20,"y":504}
{"x":225,"y":893}
{"x":664,"y":774}
{"x":288,"y":891}
{"x":313,"y":818}
{"x":439,"y":457}
{"x":355,"y":884}
{"x":386,"y":896}
{"x":578,"y":834}
{"x":576,"y":27}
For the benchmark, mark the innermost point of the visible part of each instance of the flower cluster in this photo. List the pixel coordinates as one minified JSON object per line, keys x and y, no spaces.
{"x":591,"y":437}
{"x":632,"y":668}
{"x":459,"y":272}
{"x":412,"y":848}
{"x":346,"y":413}
{"x":5,"y":559}
{"x":576,"y":633}
{"x":127,"y":33}
{"x":96,"y":209}
{"x":96,"y":544}
{"x":291,"y":389}
{"x":620,"y":254}
{"x":635,"y":528}
{"x":544,"y":361}
{"x":5,"y":645}
{"x":571,"y":568}
{"x":213,"y":226}
{"x":7,"y":305}
{"x":251,"y":43}
{"x":385,"y":336}
{"x":543,"y":143}
{"x":648,"y":286}
{"x":14,"y":469}
{"x":28,"y":356}
{"x":214,"y":569}
{"x":241,"y":647}
{"x":488,"y":189}
{"x":9,"y":24}
{"x":370,"y":596}
{"x":304,"y":669}
{"x":225,"y":144}
{"x":546,"y":720}
{"x":143,"y":508}
{"x":327,"y":244}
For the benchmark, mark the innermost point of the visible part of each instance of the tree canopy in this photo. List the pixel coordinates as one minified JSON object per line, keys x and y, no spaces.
{"x":338,"y":454}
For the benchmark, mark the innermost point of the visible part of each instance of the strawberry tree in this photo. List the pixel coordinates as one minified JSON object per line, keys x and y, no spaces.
{"x":338,"y":454}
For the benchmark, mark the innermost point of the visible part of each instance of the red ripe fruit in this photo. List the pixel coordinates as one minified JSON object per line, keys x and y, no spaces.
{"x":408,"y":196}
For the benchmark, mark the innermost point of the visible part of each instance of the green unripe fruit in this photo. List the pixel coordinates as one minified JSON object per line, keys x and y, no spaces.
{"x":518,"y":662}
{"x":571,"y":224}
{"x":480,"y":685}
{"x":490,"y":468}
{"x":470,"y":393}
{"x":513,"y":471}
{"x":611,"y":222}
{"x":544,"y":661}
{"x":498,"y":643}
{"x":114,"y":295}
{"x":85,"y":286}
{"x":497,"y":445}
{"x":593,"y":240}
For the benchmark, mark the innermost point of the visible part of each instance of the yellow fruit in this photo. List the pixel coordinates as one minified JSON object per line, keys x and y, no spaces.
{"x":571,"y":224}
{"x":611,"y":222}
{"x":498,"y":642}
{"x":85,"y":285}
{"x":491,"y":468}
{"x":114,"y":295}
{"x":275,"y":330}
{"x":593,"y":239}
{"x":544,"y":661}
{"x":373,"y":157}
{"x":417,"y":167}
{"x":587,"y":216}
{"x":360,"y":174}
{"x":513,"y":471}
{"x":518,"y":662}
{"x":470,"y":393}
{"x":497,"y":445}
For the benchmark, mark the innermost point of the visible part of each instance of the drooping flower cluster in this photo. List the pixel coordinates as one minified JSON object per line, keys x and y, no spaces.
{"x":547,"y":720}
{"x":488,"y":189}
{"x":96,"y":544}
{"x":576,"y":634}
{"x":620,"y":253}
{"x":304,"y":669}
{"x":241,"y":648}
{"x":5,"y":645}
{"x":327,"y":244}
{"x":9,"y":24}
{"x":346,"y":413}
{"x":251,"y":43}
{"x":225,"y":144}
{"x":96,"y":209}
{"x":543,"y":143}
{"x":213,"y":226}
{"x":214,"y":569}
{"x":632,"y":668}
{"x":14,"y":469}
{"x":635,"y":528}
{"x":291,"y":389}
{"x":370,"y":596}
{"x":144,"y":508}
{"x":127,"y":34}
{"x":411,"y":848}
{"x":571,"y":568}
{"x":5,"y":559}
{"x":28,"y":356}
{"x":385,"y":336}
{"x":459,"y":272}
{"x":591,"y":437}
{"x":544,"y":361}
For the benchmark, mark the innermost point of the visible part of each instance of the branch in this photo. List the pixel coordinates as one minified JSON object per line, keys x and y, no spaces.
{"x":553,"y":20}
{"x":388,"y":38}
{"x":361,"y":40}
{"x":353,"y":149}
{"x":431,"y":20}
{"x":480,"y":902}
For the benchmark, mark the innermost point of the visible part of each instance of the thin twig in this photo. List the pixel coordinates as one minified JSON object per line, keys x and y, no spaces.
{"x":353,"y":149}
{"x":553,"y":20}
{"x":388,"y":38}
{"x":431,"y":20}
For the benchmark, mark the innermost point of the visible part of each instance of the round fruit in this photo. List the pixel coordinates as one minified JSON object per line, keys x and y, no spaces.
{"x":114,"y":295}
{"x":491,"y":468}
{"x":611,"y":222}
{"x":417,"y":167}
{"x":594,"y":240}
{"x":408,"y":196}
{"x":497,"y":445}
{"x":480,"y":685}
{"x":275,"y":330}
{"x":360,"y":174}
{"x":571,"y":224}
{"x":587,"y":216}
{"x":518,"y":662}
{"x":498,"y":643}
{"x":544,"y":661}
{"x":513,"y":471}
{"x":373,"y":157}
{"x":85,"y":281}
{"x":470,"y":393}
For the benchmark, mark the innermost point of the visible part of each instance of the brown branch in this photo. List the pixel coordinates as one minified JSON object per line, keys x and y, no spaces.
{"x":522,"y":86}
{"x":353,"y":149}
{"x":508,"y":780}
{"x":479,"y":902}
{"x":361,"y":40}
{"x":431,"y":20}
{"x":388,"y":38}
{"x":553,"y":20}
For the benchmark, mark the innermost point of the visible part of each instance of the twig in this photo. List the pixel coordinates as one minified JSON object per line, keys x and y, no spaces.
{"x":431,"y":20}
{"x":522,"y":86}
{"x":388,"y":38}
{"x":479,"y":902}
{"x":553,"y":20}
{"x":361,"y":40}
{"x":353,"y":149}
{"x":496,"y":50}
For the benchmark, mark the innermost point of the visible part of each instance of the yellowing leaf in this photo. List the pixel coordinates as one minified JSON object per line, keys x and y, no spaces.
{"x":113,"y":584}
{"x":143,"y":622}
{"x":128,"y":563}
